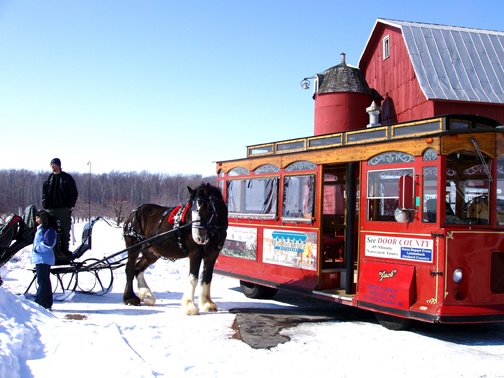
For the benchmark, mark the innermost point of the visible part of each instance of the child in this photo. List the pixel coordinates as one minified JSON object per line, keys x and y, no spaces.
{"x":43,"y":258}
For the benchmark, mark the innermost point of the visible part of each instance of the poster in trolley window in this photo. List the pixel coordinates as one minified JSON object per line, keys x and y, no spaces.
{"x":392,"y":247}
{"x":290,"y":248}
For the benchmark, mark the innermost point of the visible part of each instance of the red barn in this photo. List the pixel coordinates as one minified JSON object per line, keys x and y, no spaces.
{"x":423,"y":70}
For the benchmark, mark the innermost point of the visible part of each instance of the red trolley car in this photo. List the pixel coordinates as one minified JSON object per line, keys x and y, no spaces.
{"x":405,"y":220}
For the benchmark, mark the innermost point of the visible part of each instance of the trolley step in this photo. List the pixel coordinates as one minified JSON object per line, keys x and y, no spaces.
{"x":337,"y":295}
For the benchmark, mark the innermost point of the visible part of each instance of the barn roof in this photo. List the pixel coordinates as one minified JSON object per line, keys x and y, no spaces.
{"x":455,"y":63}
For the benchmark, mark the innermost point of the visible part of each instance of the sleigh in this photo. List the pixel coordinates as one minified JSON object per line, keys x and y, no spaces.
{"x":92,"y":276}
{"x":16,"y":233}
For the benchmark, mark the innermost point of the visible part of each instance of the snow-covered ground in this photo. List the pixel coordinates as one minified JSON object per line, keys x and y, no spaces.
{"x":98,"y":336}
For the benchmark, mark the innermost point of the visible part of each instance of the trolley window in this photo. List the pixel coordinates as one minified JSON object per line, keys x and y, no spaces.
{"x":500,"y":190}
{"x":298,"y":195}
{"x":253,"y":198}
{"x":430,"y":183}
{"x":383,"y":193}
{"x":467,"y":187}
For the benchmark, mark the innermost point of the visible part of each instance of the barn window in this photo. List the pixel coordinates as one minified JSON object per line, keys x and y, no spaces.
{"x":386,"y":47}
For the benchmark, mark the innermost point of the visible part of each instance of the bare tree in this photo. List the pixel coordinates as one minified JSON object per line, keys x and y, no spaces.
{"x":120,"y":209}
{"x":112,"y":194}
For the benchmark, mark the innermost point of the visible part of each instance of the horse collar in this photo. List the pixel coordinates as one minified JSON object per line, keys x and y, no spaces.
{"x":178,"y":215}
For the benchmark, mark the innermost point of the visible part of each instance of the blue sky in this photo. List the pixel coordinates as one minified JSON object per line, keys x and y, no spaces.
{"x":173,"y":86}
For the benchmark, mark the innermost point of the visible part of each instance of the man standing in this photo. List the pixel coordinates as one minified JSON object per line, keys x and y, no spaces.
{"x":59,"y":194}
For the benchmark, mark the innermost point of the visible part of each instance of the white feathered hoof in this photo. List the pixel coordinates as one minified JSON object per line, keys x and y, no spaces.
{"x":190,"y":308}
{"x":148,"y":300}
{"x":209,"y":307}
{"x":147,"y":297}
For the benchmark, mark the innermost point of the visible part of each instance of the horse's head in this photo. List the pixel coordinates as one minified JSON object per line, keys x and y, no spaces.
{"x":209,"y":215}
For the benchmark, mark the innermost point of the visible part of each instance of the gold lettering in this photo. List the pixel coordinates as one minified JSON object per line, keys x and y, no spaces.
{"x":383,"y":274}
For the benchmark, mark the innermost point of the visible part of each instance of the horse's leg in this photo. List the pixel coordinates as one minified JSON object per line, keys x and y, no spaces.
{"x":129,"y":296}
{"x":205,"y":300}
{"x":188,"y":299}
{"x":144,"y":291}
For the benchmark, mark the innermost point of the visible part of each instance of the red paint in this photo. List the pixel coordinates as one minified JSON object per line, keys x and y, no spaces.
{"x":342,"y":111}
{"x":387,"y":285}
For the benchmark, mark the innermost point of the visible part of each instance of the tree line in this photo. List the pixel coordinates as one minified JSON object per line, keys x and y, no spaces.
{"x":112,"y":195}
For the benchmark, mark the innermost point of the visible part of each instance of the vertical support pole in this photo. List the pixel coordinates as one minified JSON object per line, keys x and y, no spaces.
{"x":350,"y":225}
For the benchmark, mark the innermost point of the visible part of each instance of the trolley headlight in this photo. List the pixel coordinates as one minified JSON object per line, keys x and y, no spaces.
{"x":457,"y":275}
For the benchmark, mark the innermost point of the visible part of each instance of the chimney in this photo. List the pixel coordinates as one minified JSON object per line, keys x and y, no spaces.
{"x":373,"y":111}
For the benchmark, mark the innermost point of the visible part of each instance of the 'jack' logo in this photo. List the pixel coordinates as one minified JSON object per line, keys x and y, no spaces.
{"x":383,"y":274}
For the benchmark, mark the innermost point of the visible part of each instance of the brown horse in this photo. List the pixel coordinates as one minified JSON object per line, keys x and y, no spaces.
{"x":196,"y":230}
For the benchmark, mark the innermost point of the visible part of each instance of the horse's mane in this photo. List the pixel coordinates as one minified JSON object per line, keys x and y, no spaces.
{"x":209,"y":190}
{"x":216,"y":192}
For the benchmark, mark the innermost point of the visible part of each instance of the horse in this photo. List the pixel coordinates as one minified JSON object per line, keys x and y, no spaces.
{"x":196,"y":230}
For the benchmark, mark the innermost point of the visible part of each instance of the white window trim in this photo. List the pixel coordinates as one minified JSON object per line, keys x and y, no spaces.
{"x":386,"y":47}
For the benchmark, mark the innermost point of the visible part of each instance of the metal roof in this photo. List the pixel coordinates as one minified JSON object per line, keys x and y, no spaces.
{"x":455,"y":63}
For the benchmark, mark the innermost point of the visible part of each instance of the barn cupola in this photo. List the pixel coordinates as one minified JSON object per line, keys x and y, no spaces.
{"x":341,"y":96}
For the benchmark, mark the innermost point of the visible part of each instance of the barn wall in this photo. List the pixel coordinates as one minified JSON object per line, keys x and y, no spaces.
{"x":393,"y":77}
{"x":488,"y":110}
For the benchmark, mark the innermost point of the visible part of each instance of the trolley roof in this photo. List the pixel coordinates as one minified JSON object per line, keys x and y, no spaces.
{"x":459,"y":122}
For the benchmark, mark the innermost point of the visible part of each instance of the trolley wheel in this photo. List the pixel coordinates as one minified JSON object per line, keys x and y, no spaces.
{"x":255,"y":291}
{"x":393,"y":323}
{"x":95,"y":277}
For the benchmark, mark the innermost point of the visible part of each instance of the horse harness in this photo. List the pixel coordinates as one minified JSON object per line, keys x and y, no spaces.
{"x":209,"y":226}
{"x":176,"y":216}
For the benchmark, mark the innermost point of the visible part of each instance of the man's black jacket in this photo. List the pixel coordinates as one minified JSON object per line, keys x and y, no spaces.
{"x":59,"y":191}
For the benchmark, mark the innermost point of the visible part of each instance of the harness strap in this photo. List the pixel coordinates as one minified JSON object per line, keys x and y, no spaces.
{"x":130,"y":231}
{"x":177,"y":220}
{"x":176,"y":216}
{"x":165,"y":213}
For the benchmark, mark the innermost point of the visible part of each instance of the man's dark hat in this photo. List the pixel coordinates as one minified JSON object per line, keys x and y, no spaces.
{"x":56,"y":161}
